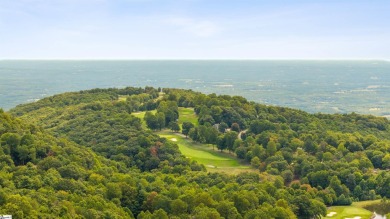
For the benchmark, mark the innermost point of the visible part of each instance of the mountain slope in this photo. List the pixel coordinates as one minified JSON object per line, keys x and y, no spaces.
{"x":305,"y":160}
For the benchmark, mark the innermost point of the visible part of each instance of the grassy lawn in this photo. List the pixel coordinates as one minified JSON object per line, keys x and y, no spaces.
{"x":187,"y":115}
{"x":204,"y":154}
{"x":348,"y":212}
{"x":122,"y":97}
{"x":141,"y":115}
{"x":355,"y":210}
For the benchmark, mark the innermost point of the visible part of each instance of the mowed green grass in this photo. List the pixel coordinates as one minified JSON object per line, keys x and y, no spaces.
{"x":187,"y":115}
{"x":355,"y":210}
{"x":141,"y":115}
{"x":122,"y":97}
{"x":213,"y":160}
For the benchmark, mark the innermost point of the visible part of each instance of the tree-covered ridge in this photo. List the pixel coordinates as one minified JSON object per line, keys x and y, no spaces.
{"x":331,"y":159}
{"x":345,"y":155}
{"x":49,"y":177}
{"x":108,"y":127}
{"x":91,"y":96}
{"x":66,"y":180}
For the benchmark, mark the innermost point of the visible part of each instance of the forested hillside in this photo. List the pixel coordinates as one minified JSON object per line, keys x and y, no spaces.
{"x":103,"y":163}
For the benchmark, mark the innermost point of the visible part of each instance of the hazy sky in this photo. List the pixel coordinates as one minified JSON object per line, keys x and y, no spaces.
{"x":194,"y":29}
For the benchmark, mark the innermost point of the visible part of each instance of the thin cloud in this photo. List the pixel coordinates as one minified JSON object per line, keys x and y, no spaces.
{"x":193,"y":29}
{"x":198,"y":28}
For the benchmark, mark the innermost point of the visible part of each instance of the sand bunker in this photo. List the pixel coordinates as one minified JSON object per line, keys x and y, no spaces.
{"x":331,"y":214}
{"x":210,"y":166}
{"x":173,"y":139}
{"x":357,"y":217}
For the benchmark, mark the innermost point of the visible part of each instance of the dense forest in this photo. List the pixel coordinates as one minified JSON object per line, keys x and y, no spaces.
{"x":85,"y":155}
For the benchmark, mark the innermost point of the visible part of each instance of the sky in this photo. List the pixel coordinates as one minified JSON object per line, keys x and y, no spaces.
{"x":194,"y":29}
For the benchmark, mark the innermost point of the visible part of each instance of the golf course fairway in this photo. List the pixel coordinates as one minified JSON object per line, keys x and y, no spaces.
{"x":213,"y":160}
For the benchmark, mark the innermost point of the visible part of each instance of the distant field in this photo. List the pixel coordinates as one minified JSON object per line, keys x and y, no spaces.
{"x":355,"y":210}
{"x":204,"y":154}
{"x":282,"y":83}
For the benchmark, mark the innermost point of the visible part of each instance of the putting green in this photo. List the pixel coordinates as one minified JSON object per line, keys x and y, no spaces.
{"x":354,"y":211}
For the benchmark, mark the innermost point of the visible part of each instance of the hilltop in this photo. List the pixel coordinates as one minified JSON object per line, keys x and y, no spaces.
{"x":303,"y":161}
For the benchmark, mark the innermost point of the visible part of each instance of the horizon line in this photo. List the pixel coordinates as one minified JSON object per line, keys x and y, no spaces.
{"x":196,"y":59}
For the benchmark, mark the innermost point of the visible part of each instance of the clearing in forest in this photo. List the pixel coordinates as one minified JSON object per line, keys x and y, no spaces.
{"x":187,"y":115}
{"x":214,"y":160}
{"x":354,"y":211}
